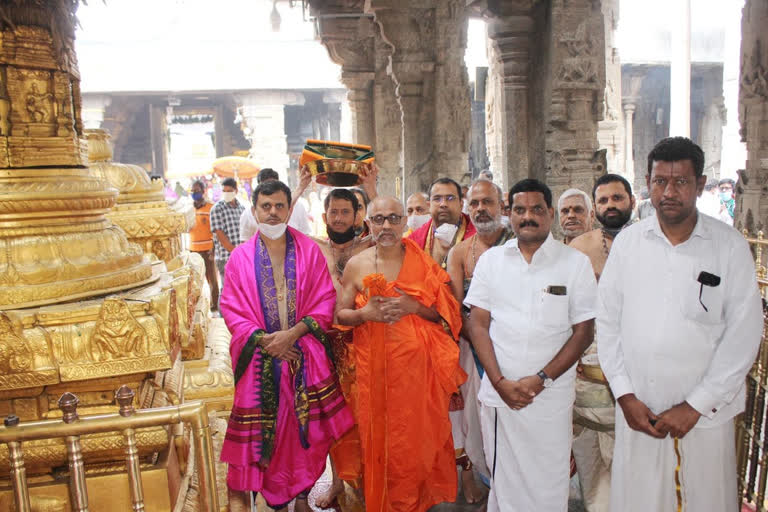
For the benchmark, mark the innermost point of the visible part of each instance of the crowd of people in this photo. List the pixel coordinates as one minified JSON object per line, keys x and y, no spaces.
{"x":456,"y":331}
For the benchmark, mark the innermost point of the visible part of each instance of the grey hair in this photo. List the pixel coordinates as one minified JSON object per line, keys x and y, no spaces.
{"x":422,"y":194}
{"x":484,"y":180}
{"x":575,"y":192}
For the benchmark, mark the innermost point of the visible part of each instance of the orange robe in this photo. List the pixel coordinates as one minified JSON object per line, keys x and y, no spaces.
{"x":406,"y":374}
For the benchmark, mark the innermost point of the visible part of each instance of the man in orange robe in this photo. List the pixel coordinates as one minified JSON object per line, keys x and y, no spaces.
{"x":406,"y":321}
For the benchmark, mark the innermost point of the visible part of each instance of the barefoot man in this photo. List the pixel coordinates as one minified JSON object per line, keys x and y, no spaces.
{"x":593,"y":411}
{"x":485,"y":202}
{"x":288,"y":408}
{"x":341,"y":206}
{"x":407,"y":361}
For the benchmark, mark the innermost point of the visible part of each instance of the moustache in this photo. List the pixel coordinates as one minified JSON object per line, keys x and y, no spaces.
{"x":484,"y":217}
{"x":670,"y":203}
{"x":612,"y":210}
{"x":527,"y":223}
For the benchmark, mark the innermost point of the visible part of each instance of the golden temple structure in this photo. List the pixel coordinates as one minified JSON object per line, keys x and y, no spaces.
{"x":95,"y":293}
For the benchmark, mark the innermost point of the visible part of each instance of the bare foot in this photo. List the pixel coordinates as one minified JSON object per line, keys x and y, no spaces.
{"x":473,"y":493}
{"x":301,"y":505}
{"x":327,"y":499}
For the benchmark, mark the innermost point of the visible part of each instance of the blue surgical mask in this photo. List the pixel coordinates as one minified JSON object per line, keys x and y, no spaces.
{"x":197,"y":196}
{"x":726,"y":196}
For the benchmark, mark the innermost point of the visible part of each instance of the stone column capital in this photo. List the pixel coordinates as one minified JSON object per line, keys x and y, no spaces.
{"x":349,"y":41}
{"x":629,"y":105}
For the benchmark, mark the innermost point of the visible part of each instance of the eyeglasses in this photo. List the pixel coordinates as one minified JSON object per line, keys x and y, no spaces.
{"x":448,"y":199}
{"x":393,"y":219}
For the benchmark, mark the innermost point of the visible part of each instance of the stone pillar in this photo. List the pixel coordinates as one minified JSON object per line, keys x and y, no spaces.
{"x":577,"y":78}
{"x":752,"y":204}
{"x":507,"y":99}
{"x":389,"y":132}
{"x":610,"y":129}
{"x":680,"y":85}
{"x":94,"y":106}
{"x":629,"y":165}
{"x":333,"y":101}
{"x":349,"y":42}
{"x":263,"y":124}
{"x":734,"y":152}
{"x":431,"y":86}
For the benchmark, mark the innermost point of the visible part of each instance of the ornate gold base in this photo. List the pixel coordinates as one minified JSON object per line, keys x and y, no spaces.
{"x":55,"y":243}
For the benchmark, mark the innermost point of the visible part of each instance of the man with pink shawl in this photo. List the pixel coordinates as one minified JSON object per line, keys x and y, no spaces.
{"x":288,"y":408}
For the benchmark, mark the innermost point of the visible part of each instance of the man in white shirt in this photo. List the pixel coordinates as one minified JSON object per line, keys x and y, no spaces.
{"x":679,"y":324}
{"x":299,"y":218}
{"x":532,"y":315}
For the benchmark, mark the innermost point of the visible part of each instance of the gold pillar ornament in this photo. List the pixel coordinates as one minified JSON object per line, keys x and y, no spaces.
{"x":141,"y":210}
{"x":56,"y":243}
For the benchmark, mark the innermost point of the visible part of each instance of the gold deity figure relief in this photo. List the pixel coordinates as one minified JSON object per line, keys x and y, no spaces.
{"x":118,"y":334}
{"x":38,"y":104}
{"x":15,"y":354}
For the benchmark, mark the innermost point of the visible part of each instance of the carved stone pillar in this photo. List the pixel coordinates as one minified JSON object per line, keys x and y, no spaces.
{"x":734,"y":152}
{"x":263,"y":124}
{"x":577,"y":74}
{"x":349,"y":42}
{"x":610,"y":129}
{"x":629,"y":165}
{"x":507,"y":130}
{"x":431,"y":86}
{"x":752,"y":204}
{"x":389,"y":132}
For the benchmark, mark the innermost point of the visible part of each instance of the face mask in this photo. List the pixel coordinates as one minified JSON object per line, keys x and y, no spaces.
{"x":726,"y":196}
{"x":416,"y":221}
{"x":197,"y":196}
{"x":228,"y":196}
{"x":445,"y":233}
{"x":340,"y":238}
{"x":273,"y":232}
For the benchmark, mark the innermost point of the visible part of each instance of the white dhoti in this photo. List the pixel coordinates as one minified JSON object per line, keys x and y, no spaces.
{"x":644,"y":470}
{"x":465,"y":424}
{"x":531,"y":451}
{"x":593,"y":425}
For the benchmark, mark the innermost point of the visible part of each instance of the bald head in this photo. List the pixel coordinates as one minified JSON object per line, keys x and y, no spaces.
{"x":385,"y":205}
{"x":386,"y":218}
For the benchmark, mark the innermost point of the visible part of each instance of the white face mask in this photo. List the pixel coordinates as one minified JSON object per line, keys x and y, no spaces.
{"x":416,"y":221}
{"x":445,"y":233}
{"x":273,"y":232}
{"x":228,"y":196}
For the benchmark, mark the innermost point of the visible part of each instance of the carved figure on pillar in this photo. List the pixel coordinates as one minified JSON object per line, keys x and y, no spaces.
{"x":752,"y":206}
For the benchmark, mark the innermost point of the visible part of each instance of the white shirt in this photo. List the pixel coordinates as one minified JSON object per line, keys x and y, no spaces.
{"x":654,"y":337}
{"x":298,"y":220}
{"x":529,"y":326}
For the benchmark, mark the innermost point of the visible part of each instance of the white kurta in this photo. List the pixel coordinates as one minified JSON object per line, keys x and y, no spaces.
{"x":661,"y":340}
{"x":528,"y":450}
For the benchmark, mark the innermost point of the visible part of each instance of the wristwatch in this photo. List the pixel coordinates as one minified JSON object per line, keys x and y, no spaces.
{"x":545,"y":380}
